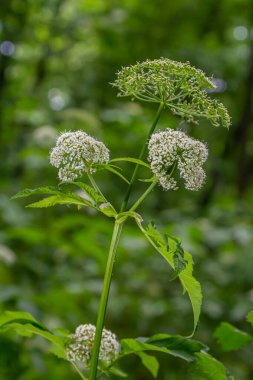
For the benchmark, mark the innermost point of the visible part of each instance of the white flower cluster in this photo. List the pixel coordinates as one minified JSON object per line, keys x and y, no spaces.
{"x":76,"y":152}
{"x":175,"y":147}
{"x":81,"y":344}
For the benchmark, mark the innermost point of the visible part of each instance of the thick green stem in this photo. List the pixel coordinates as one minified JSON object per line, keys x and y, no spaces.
{"x":143,"y":151}
{"x":104,"y":298}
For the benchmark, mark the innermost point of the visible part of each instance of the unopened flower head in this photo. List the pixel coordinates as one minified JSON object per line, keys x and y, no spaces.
{"x":81,"y":343}
{"x":75,"y":153}
{"x":179,"y":86}
{"x":168,"y":148}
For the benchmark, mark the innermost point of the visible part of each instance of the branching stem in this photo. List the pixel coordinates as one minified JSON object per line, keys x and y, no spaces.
{"x":143,"y":151}
{"x":144,"y":195}
{"x":113,"y":249}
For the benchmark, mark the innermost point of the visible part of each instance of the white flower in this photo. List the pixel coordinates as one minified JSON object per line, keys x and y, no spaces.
{"x":75,"y":153}
{"x":81,"y":344}
{"x":169,"y":147}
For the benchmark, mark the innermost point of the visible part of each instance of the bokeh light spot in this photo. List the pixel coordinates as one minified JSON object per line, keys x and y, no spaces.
{"x":240,"y":33}
{"x":7,"y":48}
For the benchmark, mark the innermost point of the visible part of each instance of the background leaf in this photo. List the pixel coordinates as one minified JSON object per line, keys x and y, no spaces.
{"x":150,"y":362}
{"x":207,"y":368}
{"x":25,"y":325}
{"x":230,"y":338}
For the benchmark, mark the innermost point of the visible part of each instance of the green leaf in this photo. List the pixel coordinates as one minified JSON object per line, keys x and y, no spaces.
{"x":61,"y":199}
{"x":150,"y":362}
{"x":131,"y":159}
{"x":112,"y":170}
{"x":178,"y":345}
{"x":17,"y":316}
{"x":40,"y":190}
{"x":179,"y":259}
{"x":25,"y":324}
{"x":207,"y":368}
{"x":167,"y":249}
{"x":192,"y":287}
{"x":107,"y":209}
{"x":90,"y":192}
{"x":249,"y":317}
{"x":174,"y":345}
{"x":230,"y":338}
{"x":132,"y":346}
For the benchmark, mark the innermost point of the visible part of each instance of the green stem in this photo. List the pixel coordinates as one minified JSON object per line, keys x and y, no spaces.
{"x":104,"y":298}
{"x":78,"y":371}
{"x":144,"y":195}
{"x":143,"y":151}
{"x":150,"y":188}
{"x":95,"y":186}
{"x":112,"y":252}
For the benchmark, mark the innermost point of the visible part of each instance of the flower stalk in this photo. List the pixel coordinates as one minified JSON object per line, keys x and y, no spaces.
{"x":143,"y":151}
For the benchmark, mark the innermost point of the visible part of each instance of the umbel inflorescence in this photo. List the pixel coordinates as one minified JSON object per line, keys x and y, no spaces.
{"x":81,"y":343}
{"x":76,"y":153}
{"x":168,"y":148}
{"x":179,"y":86}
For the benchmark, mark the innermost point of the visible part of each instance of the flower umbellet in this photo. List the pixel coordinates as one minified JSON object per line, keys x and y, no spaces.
{"x":80,"y":345}
{"x":173,"y":158}
{"x":76,"y":153}
{"x":169,"y":147}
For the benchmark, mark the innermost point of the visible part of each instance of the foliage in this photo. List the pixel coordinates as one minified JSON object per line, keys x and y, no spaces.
{"x":57,"y":78}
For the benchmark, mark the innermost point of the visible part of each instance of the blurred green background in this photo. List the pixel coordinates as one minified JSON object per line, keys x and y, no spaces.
{"x":57,"y":60}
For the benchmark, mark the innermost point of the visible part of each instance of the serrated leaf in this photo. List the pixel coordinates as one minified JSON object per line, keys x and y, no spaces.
{"x":149,"y":362}
{"x":25,"y":324}
{"x":230,"y":338}
{"x":179,"y":259}
{"x":192,"y":287}
{"x":207,"y":368}
{"x":61,"y":199}
{"x":249,"y":317}
{"x":90,"y":192}
{"x":131,"y":159}
{"x":47,"y":190}
{"x":167,"y":249}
